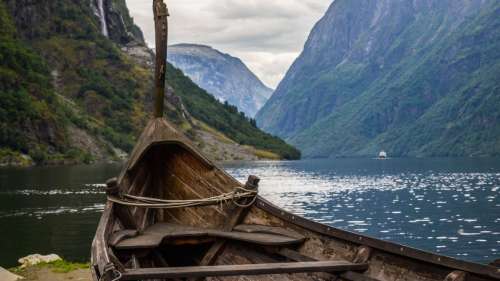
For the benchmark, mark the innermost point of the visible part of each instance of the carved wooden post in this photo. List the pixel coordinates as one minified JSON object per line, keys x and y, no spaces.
{"x":161,"y":33}
{"x":112,"y":188}
{"x":237,"y":215}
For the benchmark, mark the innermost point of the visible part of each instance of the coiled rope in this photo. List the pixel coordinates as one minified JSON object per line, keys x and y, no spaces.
{"x":154,"y":203}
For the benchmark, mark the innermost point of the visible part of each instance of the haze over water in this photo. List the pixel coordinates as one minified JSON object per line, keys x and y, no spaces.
{"x":450,"y":206}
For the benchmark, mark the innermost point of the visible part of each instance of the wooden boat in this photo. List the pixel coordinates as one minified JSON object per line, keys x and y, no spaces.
{"x":172,"y":214}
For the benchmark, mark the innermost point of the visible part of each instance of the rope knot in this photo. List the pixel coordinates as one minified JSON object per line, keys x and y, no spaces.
{"x":241,"y":196}
{"x":250,"y":190}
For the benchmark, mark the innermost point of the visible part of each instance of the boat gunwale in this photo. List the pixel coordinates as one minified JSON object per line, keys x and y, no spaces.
{"x":355,"y":238}
{"x":378,"y":244}
{"x":188,"y":147}
{"x":100,"y":241}
{"x":184,"y":144}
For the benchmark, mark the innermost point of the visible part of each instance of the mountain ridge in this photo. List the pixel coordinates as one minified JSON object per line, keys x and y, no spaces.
{"x":373,"y":75}
{"x":72,"y":95}
{"x":224,"y":76}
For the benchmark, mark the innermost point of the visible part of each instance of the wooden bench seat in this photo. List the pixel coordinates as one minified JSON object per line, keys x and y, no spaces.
{"x":246,"y":269}
{"x":155,"y":235}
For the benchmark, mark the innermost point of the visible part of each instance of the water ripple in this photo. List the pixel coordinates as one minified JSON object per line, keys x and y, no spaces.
{"x":437,"y":211}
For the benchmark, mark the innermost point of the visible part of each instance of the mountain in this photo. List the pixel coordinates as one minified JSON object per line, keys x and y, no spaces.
{"x":414,"y":78}
{"x":76,"y":86}
{"x":224,"y":76}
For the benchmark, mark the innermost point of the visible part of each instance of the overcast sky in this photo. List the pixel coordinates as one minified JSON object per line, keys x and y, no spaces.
{"x":266,"y":34}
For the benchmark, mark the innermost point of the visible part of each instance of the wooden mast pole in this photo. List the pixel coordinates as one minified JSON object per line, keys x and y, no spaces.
{"x":161,"y":34}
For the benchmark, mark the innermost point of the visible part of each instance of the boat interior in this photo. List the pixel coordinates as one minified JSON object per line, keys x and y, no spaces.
{"x":249,"y":239}
{"x":192,"y":241}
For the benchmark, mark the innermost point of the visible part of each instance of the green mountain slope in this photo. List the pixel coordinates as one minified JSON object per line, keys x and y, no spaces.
{"x":225,"y":118}
{"x":420,"y":79}
{"x":82,"y":96}
{"x":30,"y":113}
{"x":225,"y":77}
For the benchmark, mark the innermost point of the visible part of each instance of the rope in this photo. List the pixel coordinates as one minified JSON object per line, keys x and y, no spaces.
{"x":155,"y":203}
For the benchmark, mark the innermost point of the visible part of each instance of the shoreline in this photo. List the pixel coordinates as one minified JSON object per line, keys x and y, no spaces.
{"x":120,"y":162}
{"x":53,"y":271}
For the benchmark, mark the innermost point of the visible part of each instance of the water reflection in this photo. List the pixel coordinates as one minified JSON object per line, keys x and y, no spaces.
{"x":50,"y":210}
{"x":449,"y":209}
{"x":450,"y":206}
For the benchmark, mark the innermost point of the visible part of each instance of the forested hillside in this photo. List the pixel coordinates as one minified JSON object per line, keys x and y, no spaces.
{"x":69,"y":94}
{"x":415,"y":78}
{"x":225,"y":77}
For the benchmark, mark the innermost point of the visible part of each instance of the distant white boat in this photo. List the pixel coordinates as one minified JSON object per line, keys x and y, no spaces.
{"x":382,"y":155}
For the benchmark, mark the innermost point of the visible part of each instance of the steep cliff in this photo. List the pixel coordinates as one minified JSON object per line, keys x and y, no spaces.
{"x":416,"y":78}
{"x":76,"y":87}
{"x":224,"y":76}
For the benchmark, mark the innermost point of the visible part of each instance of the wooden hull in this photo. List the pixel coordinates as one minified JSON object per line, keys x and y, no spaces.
{"x":165,"y":165}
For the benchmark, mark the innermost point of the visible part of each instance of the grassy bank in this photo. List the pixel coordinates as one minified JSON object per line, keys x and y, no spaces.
{"x":55,"y":271}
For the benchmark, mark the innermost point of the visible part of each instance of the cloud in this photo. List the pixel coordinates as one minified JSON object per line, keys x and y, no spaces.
{"x":272,"y":66}
{"x":266,"y":34}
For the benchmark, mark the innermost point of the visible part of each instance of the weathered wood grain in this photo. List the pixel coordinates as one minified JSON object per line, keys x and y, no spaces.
{"x":161,"y":34}
{"x":252,"y":228}
{"x":247,"y":269}
{"x":238,"y":214}
{"x":153,"y":236}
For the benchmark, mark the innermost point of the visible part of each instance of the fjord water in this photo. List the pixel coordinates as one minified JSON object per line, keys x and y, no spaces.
{"x":450,"y":206}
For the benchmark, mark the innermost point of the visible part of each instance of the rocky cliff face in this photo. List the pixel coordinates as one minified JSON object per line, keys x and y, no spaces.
{"x":411,"y":77}
{"x":224,"y":76}
{"x":119,"y":25}
{"x":33,"y":19}
{"x":72,"y":92}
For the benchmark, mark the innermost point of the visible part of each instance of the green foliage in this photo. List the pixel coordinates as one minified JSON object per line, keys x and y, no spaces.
{"x":39,"y":155}
{"x":424,"y":88}
{"x":62,"y":266}
{"x":225,"y":117}
{"x":91,"y":85}
{"x":59,"y":266}
{"x":26,"y":95}
{"x":9,"y":157}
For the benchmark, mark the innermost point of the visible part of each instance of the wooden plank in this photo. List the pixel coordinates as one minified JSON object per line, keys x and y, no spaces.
{"x":258,"y":238}
{"x":100,"y":256}
{"x":182,"y":183}
{"x":237,"y":270}
{"x":434,"y":261}
{"x":251,"y":228}
{"x":238,"y":215}
{"x":154,"y":235}
{"x":296,"y":256}
{"x":121,"y":235}
{"x":355,"y":276}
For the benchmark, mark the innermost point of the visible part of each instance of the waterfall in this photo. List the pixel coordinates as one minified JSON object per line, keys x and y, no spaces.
{"x":102,"y":16}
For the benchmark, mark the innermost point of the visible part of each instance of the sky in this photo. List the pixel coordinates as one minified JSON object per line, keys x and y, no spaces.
{"x":267,"y":35}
